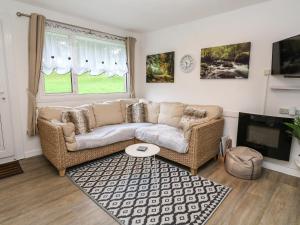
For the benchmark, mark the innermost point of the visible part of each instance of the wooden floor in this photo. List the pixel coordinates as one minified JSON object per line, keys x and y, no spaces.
{"x":40,"y":196}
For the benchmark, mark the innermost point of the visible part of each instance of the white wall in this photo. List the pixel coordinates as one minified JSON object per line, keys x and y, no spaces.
{"x":16,"y":30}
{"x":262,"y":24}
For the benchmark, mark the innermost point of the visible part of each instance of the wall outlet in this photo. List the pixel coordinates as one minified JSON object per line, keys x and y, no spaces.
{"x":290,"y":111}
{"x":284,"y":111}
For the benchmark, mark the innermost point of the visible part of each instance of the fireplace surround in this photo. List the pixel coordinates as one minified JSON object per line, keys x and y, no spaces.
{"x":266,"y":134}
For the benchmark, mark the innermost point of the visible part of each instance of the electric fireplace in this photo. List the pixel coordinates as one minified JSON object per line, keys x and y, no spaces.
{"x":266,"y":134}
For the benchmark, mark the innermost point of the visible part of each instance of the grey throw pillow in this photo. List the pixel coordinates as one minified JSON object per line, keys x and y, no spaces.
{"x":80,"y":119}
{"x":135,"y":113}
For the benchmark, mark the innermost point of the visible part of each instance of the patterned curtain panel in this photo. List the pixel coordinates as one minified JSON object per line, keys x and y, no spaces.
{"x":69,"y":48}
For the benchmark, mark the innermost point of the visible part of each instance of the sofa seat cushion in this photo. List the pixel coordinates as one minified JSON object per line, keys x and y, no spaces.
{"x":163,"y":135}
{"x":108,"y":134}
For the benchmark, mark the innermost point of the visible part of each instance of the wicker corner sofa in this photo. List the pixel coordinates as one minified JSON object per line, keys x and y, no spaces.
{"x":203,"y":146}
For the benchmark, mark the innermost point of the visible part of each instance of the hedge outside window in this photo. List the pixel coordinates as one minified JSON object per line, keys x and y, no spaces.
{"x":83,"y":64}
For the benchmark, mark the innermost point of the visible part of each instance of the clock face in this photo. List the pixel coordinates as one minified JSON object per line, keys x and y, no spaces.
{"x":187,"y":63}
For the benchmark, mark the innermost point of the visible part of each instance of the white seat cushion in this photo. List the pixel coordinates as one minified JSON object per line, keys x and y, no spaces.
{"x":163,"y":135}
{"x":109,"y":134}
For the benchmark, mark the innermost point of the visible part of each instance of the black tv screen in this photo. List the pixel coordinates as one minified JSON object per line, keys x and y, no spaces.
{"x":286,"y":57}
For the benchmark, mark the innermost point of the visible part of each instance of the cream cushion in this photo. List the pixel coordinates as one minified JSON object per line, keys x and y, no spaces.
{"x":108,"y":113}
{"x":91,"y":116}
{"x":170,"y":113}
{"x":52,"y":112}
{"x":152,"y":112}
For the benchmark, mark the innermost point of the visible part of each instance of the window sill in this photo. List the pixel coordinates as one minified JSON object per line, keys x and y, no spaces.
{"x":78,"y":99}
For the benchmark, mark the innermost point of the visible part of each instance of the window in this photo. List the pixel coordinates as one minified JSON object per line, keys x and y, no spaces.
{"x":82,"y":63}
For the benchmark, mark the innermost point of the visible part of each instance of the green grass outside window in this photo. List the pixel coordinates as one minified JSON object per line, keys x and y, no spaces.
{"x":87,"y":84}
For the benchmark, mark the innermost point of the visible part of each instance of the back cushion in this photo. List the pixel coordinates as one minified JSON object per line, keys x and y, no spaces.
{"x":108,"y":113}
{"x":170,"y":113}
{"x":52,"y":112}
{"x":212,"y":111}
{"x":91,"y":116}
{"x":152,"y":112}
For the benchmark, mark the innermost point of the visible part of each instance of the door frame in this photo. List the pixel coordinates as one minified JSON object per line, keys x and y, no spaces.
{"x":13,"y":88}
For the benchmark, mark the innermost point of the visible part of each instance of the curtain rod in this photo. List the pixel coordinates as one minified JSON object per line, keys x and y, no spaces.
{"x":19,"y":14}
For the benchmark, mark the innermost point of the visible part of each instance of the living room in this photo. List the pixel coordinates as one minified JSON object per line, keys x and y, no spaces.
{"x":177,"y":34}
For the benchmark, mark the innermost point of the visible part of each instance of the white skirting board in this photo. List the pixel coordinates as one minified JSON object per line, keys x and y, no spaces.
{"x":281,"y":168}
{"x":33,"y":152}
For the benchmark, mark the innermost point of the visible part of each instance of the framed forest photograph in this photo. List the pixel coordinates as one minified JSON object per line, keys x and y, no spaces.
{"x":160,"y":68}
{"x":226,"y":62}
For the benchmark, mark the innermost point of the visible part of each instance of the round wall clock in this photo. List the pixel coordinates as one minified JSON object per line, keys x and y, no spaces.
{"x":187,"y":63}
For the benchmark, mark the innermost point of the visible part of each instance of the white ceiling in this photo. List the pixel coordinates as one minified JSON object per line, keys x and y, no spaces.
{"x":142,"y":15}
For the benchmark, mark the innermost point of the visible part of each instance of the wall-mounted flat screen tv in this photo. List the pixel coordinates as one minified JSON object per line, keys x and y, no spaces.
{"x":286,"y":57}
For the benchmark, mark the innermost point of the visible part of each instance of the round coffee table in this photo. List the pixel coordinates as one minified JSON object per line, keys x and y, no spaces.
{"x":151,"y":151}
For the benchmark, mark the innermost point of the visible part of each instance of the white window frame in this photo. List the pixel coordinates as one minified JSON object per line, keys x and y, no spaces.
{"x":44,"y":97}
{"x":63,"y":97}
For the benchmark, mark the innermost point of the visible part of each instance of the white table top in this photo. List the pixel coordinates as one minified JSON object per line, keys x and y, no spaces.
{"x":152,"y":150}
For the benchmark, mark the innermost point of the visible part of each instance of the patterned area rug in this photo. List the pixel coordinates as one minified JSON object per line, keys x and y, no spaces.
{"x":125,"y":187}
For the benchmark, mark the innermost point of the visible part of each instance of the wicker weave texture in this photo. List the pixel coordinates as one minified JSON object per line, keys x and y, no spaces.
{"x":203,"y":146}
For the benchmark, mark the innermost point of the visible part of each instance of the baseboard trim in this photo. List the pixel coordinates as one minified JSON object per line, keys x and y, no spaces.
{"x":281,"y":169}
{"x":33,"y":152}
{"x":7,"y":159}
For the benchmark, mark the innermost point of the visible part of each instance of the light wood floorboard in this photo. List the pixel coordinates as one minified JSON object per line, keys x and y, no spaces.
{"x":39,"y":196}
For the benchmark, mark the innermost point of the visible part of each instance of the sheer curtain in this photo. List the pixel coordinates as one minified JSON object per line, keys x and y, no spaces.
{"x":70,"y":49}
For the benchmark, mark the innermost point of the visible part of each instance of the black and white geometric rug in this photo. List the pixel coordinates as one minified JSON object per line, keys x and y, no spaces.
{"x":125,"y":187}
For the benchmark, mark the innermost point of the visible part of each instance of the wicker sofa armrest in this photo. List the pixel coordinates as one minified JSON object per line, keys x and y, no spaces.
{"x":204,"y":141}
{"x":52,"y":142}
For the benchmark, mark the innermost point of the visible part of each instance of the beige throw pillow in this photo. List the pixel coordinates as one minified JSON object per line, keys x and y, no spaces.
{"x":108,"y":113}
{"x":152,"y":112}
{"x":170,"y":113}
{"x":135,"y":113}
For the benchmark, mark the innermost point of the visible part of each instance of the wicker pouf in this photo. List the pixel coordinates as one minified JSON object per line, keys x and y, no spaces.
{"x":243,"y":162}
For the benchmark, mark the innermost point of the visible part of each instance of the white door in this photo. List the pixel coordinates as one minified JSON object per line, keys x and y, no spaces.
{"x":6,"y":138}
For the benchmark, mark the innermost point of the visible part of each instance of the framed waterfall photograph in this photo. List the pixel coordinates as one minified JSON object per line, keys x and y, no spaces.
{"x":160,"y":68}
{"x":226,"y":62}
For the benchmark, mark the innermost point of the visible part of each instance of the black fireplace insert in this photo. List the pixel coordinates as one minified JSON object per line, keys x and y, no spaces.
{"x":266,"y":134}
